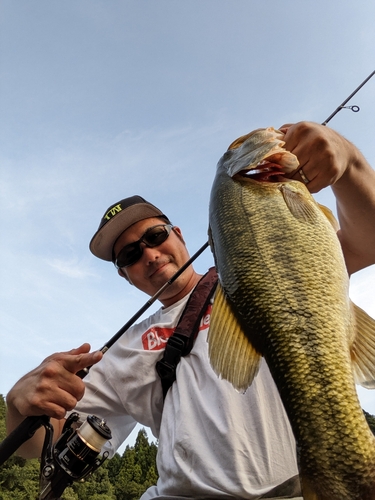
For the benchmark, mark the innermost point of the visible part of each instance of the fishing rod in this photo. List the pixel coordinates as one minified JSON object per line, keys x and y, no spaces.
{"x":138,"y":314}
{"x":342,"y":105}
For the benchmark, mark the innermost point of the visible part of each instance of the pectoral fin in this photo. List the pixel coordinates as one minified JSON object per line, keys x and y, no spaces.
{"x":300,"y":206}
{"x":232,"y":356}
{"x":363,"y":349}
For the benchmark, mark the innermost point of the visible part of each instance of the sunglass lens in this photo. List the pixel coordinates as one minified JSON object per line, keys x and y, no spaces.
{"x":129,"y":255}
{"x":156,"y":236}
{"x":152,"y":238}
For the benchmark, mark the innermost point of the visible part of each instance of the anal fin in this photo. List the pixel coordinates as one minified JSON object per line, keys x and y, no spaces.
{"x":308,"y":492}
{"x":232,"y":356}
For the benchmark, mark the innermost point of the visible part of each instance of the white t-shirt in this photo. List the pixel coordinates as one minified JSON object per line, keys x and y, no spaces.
{"x":213,"y":441}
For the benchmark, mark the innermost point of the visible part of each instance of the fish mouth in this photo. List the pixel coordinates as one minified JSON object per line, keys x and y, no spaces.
{"x":265,"y":171}
{"x":260,"y":156}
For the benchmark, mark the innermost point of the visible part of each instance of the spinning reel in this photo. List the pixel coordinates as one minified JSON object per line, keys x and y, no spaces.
{"x":75,"y":455}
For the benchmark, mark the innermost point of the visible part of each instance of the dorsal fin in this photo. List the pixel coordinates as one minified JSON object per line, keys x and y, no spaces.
{"x":329,"y":214}
{"x":363,"y":349}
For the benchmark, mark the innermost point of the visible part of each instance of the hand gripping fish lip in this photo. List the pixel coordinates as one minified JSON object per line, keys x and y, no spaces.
{"x":267,"y":154}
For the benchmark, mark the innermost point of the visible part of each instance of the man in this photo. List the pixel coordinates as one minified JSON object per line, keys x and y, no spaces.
{"x":213,"y":442}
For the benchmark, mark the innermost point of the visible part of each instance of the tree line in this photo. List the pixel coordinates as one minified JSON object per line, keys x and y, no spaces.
{"x":123,"y":477}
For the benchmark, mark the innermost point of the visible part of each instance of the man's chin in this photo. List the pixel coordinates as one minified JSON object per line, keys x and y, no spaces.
{"x":165,"y":271}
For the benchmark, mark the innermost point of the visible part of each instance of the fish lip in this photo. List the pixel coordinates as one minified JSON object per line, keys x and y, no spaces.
{"x":257,"y":150}
{"x":263,"y":172}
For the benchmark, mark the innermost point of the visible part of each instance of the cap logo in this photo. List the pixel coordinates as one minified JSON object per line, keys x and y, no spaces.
{"x":113,"y":211}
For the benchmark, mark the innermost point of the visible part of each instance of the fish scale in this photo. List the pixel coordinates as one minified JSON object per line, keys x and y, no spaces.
{"x":283,"y":278}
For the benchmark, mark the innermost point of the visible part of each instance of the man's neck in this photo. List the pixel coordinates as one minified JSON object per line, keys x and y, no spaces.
{"x":181,"y":292}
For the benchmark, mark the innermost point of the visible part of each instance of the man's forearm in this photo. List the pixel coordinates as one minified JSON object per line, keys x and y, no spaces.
{"x":32,"y":448}
{"x":355,"y":198}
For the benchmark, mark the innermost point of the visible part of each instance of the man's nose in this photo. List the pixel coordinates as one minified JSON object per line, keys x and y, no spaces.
{"x":150,"y":254}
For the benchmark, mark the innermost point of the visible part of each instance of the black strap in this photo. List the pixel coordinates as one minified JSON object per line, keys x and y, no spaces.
{"x":182,"y":341}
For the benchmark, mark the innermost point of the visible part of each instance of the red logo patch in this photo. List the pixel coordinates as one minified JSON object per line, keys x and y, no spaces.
{"x":156,"y":337}
{"x":205,"y":321}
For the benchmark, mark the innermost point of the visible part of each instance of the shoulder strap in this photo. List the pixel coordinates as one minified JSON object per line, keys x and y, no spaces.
{"x":182,"y":341}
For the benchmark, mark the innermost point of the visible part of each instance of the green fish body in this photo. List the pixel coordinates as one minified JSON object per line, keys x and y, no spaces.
{"x":283,"y":295}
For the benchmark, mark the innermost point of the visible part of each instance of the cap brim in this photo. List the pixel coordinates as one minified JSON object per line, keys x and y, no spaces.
{"x":101,"y":244}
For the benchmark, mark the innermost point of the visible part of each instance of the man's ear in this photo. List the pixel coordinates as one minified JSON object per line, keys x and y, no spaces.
{"x":178,"y":232}
{"x":124,"y":274}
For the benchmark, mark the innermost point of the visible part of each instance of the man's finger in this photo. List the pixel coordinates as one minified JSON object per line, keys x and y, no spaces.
{"x":84,"y":348}
{"x":76,"y":362}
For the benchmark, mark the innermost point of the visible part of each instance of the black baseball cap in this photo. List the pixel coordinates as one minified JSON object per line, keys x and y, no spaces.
{"x":117,"y":219}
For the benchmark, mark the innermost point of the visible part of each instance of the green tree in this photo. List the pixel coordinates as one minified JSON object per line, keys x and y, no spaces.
{"x":128,"y":481}
{"x":370,"y":420}
{"x":2,"y":417}
{"x":145,"y":453}
{"x":96,"y":487}
{"x":19,"y":479}
{"x":70,"y":494}
{"x":138,"y":469}
{"x":113,"y":466}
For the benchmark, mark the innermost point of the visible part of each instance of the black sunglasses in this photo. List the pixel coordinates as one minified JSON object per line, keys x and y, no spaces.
{"x":153,"y":237}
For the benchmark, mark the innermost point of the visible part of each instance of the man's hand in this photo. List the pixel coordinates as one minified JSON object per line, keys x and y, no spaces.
{"x":51,"y":389}
{"x":328,"y":159}
{"x":323,"y":154}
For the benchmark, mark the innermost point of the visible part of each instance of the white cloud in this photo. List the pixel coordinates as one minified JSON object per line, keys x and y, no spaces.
{"x":73,"y":268}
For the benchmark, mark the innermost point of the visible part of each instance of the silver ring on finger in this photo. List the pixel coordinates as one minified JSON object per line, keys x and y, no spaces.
{"x":303,"y":176}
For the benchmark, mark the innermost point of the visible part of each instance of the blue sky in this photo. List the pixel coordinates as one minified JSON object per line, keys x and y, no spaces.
{"x":100,"y":100}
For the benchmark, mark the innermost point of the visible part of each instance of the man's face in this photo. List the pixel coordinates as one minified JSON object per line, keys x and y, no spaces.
{"x":156,"y":265}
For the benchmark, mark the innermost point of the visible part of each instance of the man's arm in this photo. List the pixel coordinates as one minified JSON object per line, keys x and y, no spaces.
{"x":355,"y":198}
{"x":328,"y":159}
{"x":50,"y":389}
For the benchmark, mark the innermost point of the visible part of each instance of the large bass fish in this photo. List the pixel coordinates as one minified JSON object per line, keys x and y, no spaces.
{"x":283,"y":295}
